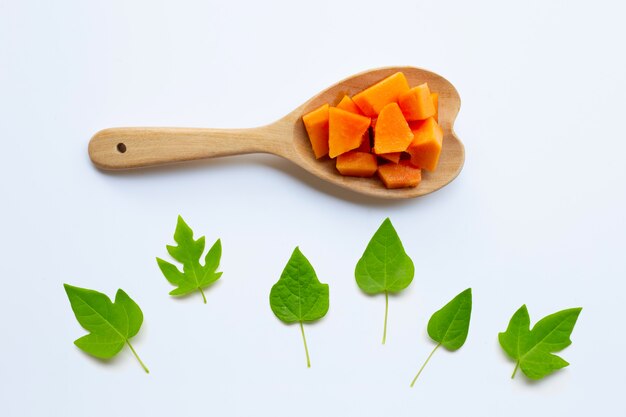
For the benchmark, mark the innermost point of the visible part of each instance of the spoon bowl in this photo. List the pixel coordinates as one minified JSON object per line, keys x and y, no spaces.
{"x":136,"y":147}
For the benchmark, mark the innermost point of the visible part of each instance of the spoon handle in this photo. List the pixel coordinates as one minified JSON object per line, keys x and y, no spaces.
{"x":135,"y":147}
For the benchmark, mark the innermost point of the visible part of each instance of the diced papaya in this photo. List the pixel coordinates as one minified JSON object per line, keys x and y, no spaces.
{"x":316,"y":124}
{"x":372,"y":100}
{"x":391,"y":157}
{"x":345,"y":131}
{"x":347,"y":104}
{"x":357,"y":164}
{"x":365,"y":143}
{"x":426,"y":146}
{"x":417,"y":104}
{"x":389,"y":129}
{"x":399,"y":175}
{"x":392,"y":132}
{"x":435,"y":98}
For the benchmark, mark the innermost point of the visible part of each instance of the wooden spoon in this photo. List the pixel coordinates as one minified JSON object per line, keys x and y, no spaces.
{"x":135,"y":147}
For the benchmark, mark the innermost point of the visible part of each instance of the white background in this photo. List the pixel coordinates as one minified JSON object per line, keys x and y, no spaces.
{"x":537,"y":216}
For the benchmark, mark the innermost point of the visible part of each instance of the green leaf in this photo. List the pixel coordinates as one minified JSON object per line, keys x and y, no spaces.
{"x":195,"y":276}
{"x":449,"y":326}
{"x":517,"y":332}
{"x":111,"y":325}
{"x":384,"y":267}
{"x":298,"y":296}
{"x":532,"y":349}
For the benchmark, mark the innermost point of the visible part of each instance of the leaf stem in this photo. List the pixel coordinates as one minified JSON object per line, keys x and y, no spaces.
{"x":137,"y":356}
{"x":203,"y":296}
{"x":386,"y":312}
{"x":306,"y":349}
{"x":422,"y":368}
{"x":515,"y":370}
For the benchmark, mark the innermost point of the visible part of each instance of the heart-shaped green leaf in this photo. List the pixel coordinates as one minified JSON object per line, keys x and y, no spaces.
{"x":384,"y":267}
{"x":298,"y":296}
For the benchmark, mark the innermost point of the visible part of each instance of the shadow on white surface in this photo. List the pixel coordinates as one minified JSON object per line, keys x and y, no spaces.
{"x":273,"y":162}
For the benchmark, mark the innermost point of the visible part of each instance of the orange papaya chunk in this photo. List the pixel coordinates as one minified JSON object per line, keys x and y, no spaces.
{"x":345,"y":131}
{"x":372,"y":100}
{"x":399,"y":175}
{"x":426,"y":146}
{"x":347,"y":104}
{"x":435,"y":98}
{"x":392,"y":133}
{"x":357,"y":164}
{"x":391,"y":157}
{"x":365,"y":143}
{"x":316,"y":124}
{"x":417,"y":104}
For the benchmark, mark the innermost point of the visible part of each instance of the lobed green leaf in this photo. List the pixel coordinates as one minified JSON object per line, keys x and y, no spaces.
{"x":533,"y":349}
{"x":194,"y":276}
{"x":111,"y":325}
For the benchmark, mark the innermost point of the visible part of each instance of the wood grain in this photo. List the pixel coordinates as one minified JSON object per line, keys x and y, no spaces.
{"x":136,"y":147}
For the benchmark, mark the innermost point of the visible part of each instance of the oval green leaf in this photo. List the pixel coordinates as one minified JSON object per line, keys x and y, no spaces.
{"x":450,"y":325}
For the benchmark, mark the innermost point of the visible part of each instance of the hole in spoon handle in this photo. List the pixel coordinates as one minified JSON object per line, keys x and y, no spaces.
{"x":121,"y":147}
